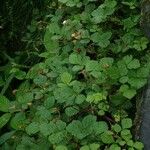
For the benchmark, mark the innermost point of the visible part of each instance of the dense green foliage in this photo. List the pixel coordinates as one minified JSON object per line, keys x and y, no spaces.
{"x":81,"y":95}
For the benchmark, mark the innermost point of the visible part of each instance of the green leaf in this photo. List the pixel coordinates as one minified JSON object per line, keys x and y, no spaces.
{"x":102,"y":39}
{"x":43,"y":114}
{"x":4,"y":119}
{"x":4,"y":104}
{"x":53,"y":28}
{"x":64,"y":94}
{"x":32,"y":128}
{"x":51,"y":46}
{"x":40,"y":80}
{"x":96,"y":97}
{"x":106,"y":62}
{"x":24,"y":98}
{"x":66,"y":77}
{"x":94,"y":146}
{"x":137,"y":82}
{"x":70,"y":111}
{"x":89,"y":121}
{"x":73,"y":3}
{"x":138,"y":145}
{"x":134,"y":64}
{"x":32,"y":73}
{"x":18,"y":121}
{"x":6,"y":136}
{"x":143,"y":72}
{"x":60,"y":125}
{"x":100,"y":127}
{"x":49,"y":102}
{"x":97,"y":74}
{"x":130,"y":22}
{"x":89,"y":65}
{"x":77,"y":68}
{"x":126,"y":134}
{"x":63,"y":1}
{"x":61,"y":147}
{"x":19,"y":74}
{"x":75,"y":128}
{"x":123,"y":88}
{"x":44,"y":129}
{"x":75,"y":59}
{"x":107,"y":137}
{"x":78,"y":86}
{"x":58,"y":138}
{"x":130,"y":143}
{"x":123,"y":71}
{"x":82,"y":129}
{"x":113,"y":72}
{"x":105,"y":9}
{"x":124,"y":79}
{"x":130,"y":93}
{"x":80,"y":99}
{"x":114,"y":147}
{"x":47,"y":128}
{"x":127,"y":59}
{"x":117,"y":99}
{"x":127,"y":92}
{"x":116,"y":128}
{"x":141,"y":44}
{"x":131,"y":4}
{"x":126,"y":123}
{"x":86,"y":147}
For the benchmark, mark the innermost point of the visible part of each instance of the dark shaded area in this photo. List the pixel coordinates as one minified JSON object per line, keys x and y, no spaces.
{"x":15,"y":16}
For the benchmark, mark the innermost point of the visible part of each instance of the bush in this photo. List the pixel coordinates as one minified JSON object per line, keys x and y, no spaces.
{"x":82,"y":95}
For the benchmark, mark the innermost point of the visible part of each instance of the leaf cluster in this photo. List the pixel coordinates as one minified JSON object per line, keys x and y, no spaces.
{"x":81,"y":94}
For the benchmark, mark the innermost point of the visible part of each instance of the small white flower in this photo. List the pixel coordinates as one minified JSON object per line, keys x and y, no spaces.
{"x":64,"y":22}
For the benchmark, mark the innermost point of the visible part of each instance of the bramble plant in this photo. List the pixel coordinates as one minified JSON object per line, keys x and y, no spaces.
{"x":81,"y":95}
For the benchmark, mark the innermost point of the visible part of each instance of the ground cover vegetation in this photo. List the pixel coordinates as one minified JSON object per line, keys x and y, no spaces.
{"x":70,"y":74}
